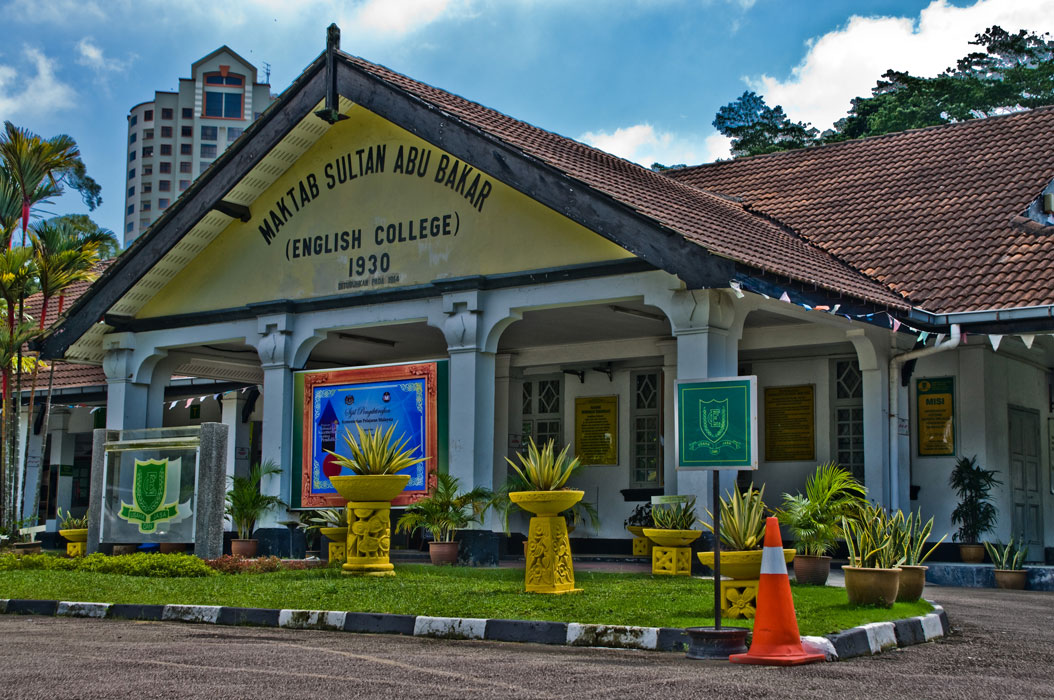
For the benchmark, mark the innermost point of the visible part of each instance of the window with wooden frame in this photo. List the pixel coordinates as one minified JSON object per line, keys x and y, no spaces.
{"x":542,"y":403}
{"x":646,"y":458}
{"x":847,"y":419}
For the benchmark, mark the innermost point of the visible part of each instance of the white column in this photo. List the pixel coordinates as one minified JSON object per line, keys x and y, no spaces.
{"x":61,"y":454}
{"x":238,"y":434}
{"x":274,"y":350}
{"x":126,"y":400}
{"x":873,"y":358}
{"x":501,"y":417}
{"x":472,"y":405}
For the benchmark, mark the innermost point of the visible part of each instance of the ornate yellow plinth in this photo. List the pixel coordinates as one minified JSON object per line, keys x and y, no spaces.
{"x":369,"y":521}
{"x":338,"y":542}
{"x":76,"y":549}
{"x":549,"y":568}
{"x":738,"y":598}
{"x":671,"y":561}
{"x":641,"y":544}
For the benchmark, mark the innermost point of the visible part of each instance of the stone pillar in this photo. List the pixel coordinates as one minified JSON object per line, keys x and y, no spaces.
{"x":472,"y":404}
{"x":126,"y":399}
{"x":274,"y":350}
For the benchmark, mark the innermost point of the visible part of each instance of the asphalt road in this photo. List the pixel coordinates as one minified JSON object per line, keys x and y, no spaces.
{"x":1002,"y":646}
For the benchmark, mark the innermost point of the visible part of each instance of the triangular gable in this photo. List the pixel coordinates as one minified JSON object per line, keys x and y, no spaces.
{"x":372,"y":207}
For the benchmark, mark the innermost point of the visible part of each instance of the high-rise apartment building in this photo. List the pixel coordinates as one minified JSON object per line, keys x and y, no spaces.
{"x":175,"y":137}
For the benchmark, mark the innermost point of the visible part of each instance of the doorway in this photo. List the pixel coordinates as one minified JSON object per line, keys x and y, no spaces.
{"x":1025,"y":480}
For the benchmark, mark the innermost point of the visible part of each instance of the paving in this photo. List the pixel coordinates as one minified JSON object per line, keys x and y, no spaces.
{"x":1001,"y":645}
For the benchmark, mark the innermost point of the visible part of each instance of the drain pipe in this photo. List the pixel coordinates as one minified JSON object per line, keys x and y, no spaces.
{"x":895,"y":363}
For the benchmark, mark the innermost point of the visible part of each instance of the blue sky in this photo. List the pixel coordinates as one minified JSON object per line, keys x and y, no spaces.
{"x":639,"y":78}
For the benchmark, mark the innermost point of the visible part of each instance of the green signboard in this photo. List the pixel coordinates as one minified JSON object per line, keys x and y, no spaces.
{"x":717,"y":423}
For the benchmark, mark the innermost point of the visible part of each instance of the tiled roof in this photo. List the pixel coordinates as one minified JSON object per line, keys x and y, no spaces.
{"x":721,"y":226}
{"x":927,"y":212}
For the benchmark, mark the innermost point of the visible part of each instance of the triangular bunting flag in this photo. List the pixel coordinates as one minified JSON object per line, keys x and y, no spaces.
{"x":172,"y":405}
{"x":189,"y":401}
{"x":736,"y":289}
{"x":1027,"y":340}
{"x":785,"y":297}
{"x":940,"y":338}
{"x":924,"y":336}
{"x":995,"y":340}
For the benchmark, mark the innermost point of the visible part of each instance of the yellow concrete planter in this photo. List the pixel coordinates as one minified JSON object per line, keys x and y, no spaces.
{"x":636,"y":530}
{"x":369,"y":521}
{"x":548,"y":551}
{"x":745,"y":566}
{"x":338,"y":542}
{"x":79,"y":534}
{"x":672,"y":538}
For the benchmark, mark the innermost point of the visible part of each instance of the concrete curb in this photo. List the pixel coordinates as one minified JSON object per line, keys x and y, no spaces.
{"x":866,"y":640}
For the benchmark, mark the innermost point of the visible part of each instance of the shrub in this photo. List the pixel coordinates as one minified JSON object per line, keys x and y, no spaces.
{"x":232,"y":564}
{"x":139,"y":564}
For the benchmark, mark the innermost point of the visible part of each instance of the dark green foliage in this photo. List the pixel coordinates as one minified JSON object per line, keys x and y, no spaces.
{"x":675,"y":516}
{"x":975,"y":514}
{"x":139,"y":564}
{"x":640,"y":516}
{"x":446,"y":510}
{"x":245,"y":503}
{"x":756,"y":128}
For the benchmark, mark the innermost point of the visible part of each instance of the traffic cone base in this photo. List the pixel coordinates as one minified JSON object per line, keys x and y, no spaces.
{"x":776,"y":641}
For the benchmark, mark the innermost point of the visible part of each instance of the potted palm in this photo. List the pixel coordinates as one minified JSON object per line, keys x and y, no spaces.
{"x":876,"y":551}
{"x":375,"y":459}
{"x":913,"y":541}
{"x":443,"y":513}
{"x":246,"y":505}
{"x":1009,"y":564}
{"x":549,"y":568}
{"x":975,"y":514}
{"x":815,"y":519}
{"x":742,"y":534}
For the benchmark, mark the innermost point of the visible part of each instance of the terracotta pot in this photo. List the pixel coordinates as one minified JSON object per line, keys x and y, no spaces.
{"x":744,"y":566}
{"x":546,"y":504}
{"x":912,"y":581}
{"x":811,"y":570}
{"x":79,"y":534}
{"x":971,"y":553}
{"x":370,"y":487}
{"x":244,"y":548}
{"x":172,"y":547}
{"x":1011,"y":579}
{"x":672,"y":538}
{"x":871,"y":586}
{"x":443,"y":552}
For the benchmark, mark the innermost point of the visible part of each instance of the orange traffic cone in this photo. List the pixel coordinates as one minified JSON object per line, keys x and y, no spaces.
{"x":776,"y":641}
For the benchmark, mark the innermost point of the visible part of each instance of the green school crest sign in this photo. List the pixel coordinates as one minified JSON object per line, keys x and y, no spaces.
{"x":149,"y":493}
{"x":717,"y":423}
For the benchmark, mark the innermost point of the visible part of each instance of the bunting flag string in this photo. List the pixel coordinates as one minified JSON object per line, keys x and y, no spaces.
{"x":995,"y":340}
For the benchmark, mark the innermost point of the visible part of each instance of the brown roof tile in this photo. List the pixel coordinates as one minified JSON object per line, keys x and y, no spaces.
{"x":934,"y":213}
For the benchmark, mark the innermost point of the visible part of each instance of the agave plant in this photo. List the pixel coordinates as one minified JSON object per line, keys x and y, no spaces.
{"x":815,"y":518}
{"x":69,"y":522}
{"x":542,"y":470}
{"x":875,"y":540}
{"x":446,"y":510}
{"x":376,"y":452}
{"x":742,"y":519}
{"x":578,"y":513}
{"x":1010,"y":557}
{"x":675,"y":516}
{"x":326,"y":517}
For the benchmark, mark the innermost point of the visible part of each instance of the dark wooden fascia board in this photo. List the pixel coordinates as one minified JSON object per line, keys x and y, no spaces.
{"x":578,"y":201}
{"x":221,"y":178}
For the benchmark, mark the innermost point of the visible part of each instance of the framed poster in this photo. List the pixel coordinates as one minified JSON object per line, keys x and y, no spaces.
{"x":596,"y":430}
{"x":717,"y":423}
{"x":378,"y":397}
{"x":935,"y":416}
{"x":790,"y":423}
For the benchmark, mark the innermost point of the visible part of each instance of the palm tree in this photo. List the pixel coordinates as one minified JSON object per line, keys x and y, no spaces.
{"x":11,"y":340}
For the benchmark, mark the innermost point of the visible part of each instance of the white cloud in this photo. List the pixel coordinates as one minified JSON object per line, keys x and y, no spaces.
{"x":846,"y":63}
{"x":90,"y":55}
{"x":399,"y":17}
{"x":24,"y":94}
{"x":642,"y":144}
{"x":62,"y":12}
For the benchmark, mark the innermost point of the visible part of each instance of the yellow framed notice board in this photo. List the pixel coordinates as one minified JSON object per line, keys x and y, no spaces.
{"x":596,"y":430}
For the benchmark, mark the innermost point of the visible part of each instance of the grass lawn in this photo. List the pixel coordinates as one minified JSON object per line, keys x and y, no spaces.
{"x":606,"y":598}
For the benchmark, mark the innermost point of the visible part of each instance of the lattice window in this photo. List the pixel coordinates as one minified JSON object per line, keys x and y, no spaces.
{"x":542,"y":402}
{"x":848,"y":407}
{"x":646,"y":421}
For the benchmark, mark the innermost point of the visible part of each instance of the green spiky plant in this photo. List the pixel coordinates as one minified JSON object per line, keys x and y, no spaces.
{"x":875,"y":540}
{"x":1010,"y":557}
{"x":446,"y":510}
{"x":914,"y":538}
{"x":742,"y":519}
{"x":815,"y":518}
{"x":575,"y":515}
{"x":376,"y":452}
{"x":245,"y":503}
{"x":542,"y":469}
{"x":675,"y":516}
{"x":69,"y":522}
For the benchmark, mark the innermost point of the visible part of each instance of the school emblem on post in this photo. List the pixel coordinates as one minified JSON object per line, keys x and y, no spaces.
{"x":713,"y":420}
{"x":149,"y":493}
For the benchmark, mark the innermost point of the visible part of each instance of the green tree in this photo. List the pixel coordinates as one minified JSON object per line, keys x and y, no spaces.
{"x":756,"y":128}
{"x":87,"y":230}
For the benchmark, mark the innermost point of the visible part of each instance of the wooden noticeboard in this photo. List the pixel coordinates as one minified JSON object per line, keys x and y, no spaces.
{"x":935,"y":398}
{"x":596,"y":430}
{"x":790,"y":423}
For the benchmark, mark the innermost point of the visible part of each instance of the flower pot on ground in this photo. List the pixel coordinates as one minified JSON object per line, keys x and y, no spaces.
{"x":875,"y":553}
{"x":975,"y":514}
{"x":246,"y":505}
{"x":443,"y":513}
{"x":549,"y":568}
{"x":1009,"y":564}
{"x":913,"y":538}
{"x":375,"y":459}
{"x":672,"y":535}
{"x":815,"y":519}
